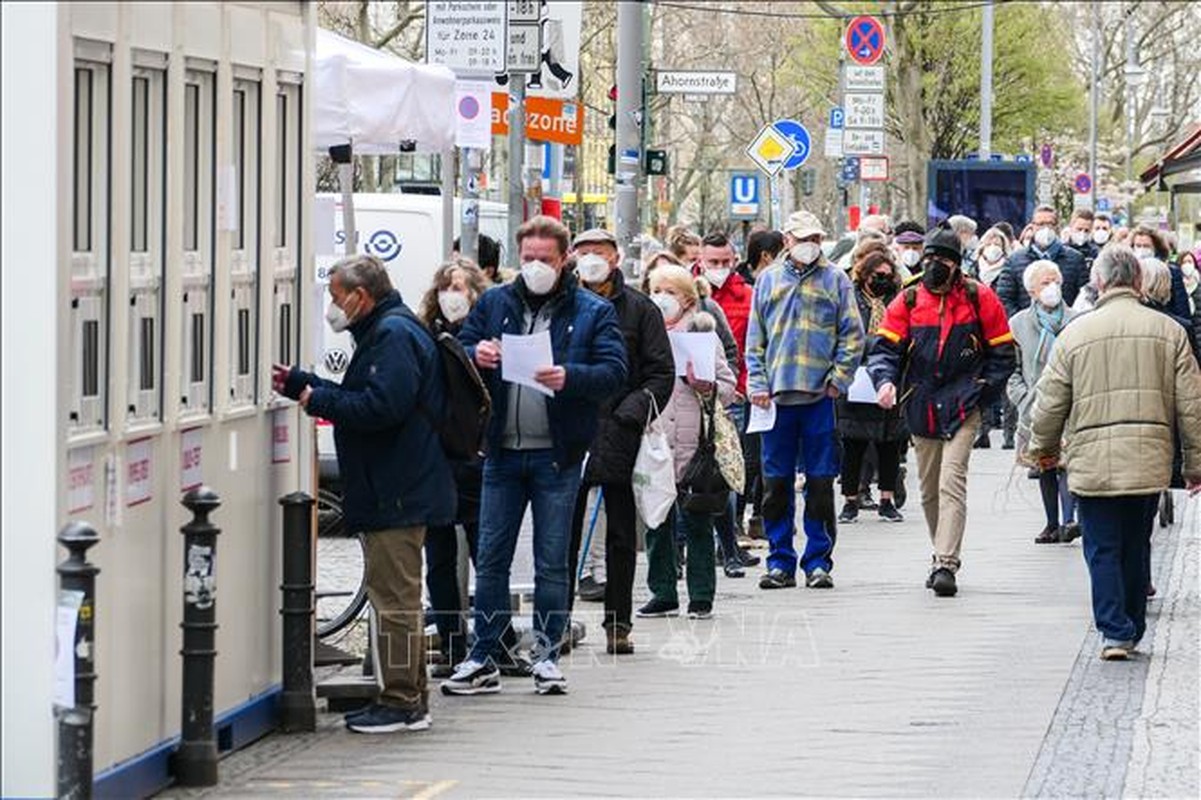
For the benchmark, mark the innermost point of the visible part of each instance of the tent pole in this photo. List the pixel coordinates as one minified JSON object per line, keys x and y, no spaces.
{"x":342,"y":156}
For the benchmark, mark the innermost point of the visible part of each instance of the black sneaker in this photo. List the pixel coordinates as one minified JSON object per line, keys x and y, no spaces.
{"x":733,"y":568}
{"x":747,"y":559}
{"x":1049,"y":535}
{"x":700,"y":610}
{"x":982,"y":441}
{"x":942,"y":581}
{"x":777,"y":579}
{"x":659,"y":608}
{"x":850,"y":513}
{"x":888,"y":512}
{"x":472,"y":677}
{"x":754,"y":528}
{"x":590,"y":591}
{"x":388,"y":719}
{"x":548,"y":679}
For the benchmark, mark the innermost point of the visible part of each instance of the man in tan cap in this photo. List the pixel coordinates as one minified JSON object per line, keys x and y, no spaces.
{"x":804,"y":342}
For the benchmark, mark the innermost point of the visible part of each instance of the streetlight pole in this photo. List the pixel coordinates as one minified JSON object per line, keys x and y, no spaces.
{"x":628,"y":155}
{"x":986,"y":84}
{"x":1093,"y":100}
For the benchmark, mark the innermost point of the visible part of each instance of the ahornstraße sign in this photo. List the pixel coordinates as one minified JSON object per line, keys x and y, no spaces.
{"x":695,"y":82}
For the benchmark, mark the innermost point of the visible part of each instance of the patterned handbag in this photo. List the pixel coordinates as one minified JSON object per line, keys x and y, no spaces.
{"x":728,"y":450}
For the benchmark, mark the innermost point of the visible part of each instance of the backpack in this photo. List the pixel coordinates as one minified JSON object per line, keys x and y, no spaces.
{"x":703,"y":489}
{"x":463,"y":426}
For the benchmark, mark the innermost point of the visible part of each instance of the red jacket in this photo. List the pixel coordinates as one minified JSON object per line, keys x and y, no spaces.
{"x":735,"y":298}
{"x":946,"y":354}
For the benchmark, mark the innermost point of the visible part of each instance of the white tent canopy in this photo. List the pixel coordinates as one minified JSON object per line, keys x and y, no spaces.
{"x":373,"y":100}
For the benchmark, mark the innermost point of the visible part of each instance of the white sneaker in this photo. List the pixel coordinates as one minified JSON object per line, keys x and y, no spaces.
{"x":472,"y":677}
{"x":548,"y":679}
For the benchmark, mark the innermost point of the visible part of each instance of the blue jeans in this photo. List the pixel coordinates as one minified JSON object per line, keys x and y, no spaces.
{"x":1117,"y":548}
{"x":804,"y":434}
{"x":514,"y":479}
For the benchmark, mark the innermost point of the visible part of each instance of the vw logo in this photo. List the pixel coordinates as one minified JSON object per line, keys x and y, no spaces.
{"x":384,"y":245}
{"x":336,"y":360}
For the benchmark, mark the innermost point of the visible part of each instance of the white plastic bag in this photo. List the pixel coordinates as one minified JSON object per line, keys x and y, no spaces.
{"x":654,"y":478}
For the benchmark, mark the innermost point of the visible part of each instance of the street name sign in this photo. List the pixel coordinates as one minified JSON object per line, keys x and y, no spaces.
{"x":695,"y":82}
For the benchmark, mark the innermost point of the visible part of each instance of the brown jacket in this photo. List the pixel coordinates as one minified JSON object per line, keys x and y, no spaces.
{"x":1120,"y":380}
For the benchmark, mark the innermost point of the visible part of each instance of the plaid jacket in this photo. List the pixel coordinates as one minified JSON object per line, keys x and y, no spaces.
{"x":804,"y":330}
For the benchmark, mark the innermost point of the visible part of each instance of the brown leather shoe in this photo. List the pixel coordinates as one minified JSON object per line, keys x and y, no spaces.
{"x":617,"y":641}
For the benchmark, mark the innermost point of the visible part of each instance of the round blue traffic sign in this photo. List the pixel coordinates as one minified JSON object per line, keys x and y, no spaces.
{"x":865,"y":40}
{"x":796,"y":133}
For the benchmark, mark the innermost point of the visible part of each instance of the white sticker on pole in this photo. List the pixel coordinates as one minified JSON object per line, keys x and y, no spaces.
{"x":139,"y":471}
{"x":473,"y":114}
{"x":191,"y":457}
{"x":81,"y":479}
{"x":66,"y":619}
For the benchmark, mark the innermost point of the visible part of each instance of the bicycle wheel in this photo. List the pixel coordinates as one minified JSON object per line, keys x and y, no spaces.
{"x":341,"y":594}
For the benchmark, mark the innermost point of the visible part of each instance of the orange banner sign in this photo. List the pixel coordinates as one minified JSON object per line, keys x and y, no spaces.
{"x":546,"y":120}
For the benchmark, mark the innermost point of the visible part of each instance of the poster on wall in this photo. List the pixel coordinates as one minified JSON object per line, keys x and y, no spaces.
{"x":139,"y":469}
{"x":191,"y":455}
{"x":281,"y":437}
{"x":80,"y":479}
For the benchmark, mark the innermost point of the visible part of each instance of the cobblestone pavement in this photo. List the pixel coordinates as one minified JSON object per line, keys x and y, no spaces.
{"x":875,"y":688}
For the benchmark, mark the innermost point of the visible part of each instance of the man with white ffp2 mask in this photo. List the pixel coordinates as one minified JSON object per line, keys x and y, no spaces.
{"x":611,"y":560}
{"x":535,"y":444}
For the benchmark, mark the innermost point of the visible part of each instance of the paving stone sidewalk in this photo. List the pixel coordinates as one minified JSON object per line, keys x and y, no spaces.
{"x":876,"y":688}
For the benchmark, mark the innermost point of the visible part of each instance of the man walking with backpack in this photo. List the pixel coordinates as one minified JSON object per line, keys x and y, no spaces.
{"x":946,"y":344}
{"x":395,"y":478}
{"x":536,"y":440}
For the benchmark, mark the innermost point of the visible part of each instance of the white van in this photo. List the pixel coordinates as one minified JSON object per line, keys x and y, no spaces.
{"x":405,"y":232}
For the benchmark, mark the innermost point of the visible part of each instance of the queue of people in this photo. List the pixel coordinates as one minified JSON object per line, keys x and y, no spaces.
{"x":915,"y":342}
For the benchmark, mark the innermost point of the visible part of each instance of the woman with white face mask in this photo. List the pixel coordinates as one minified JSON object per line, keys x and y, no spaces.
{"x":673,"y":290}
{"x":994,"y":249}
{"x":1034,"y":332}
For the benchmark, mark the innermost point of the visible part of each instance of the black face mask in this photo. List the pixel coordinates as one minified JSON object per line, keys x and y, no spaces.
{"x":936,"y":276}
{"x":881,"y":285}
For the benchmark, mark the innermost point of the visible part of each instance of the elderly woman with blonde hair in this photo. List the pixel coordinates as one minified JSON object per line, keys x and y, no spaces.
{"x":1034,"y":332}
{"x":674,"y":291}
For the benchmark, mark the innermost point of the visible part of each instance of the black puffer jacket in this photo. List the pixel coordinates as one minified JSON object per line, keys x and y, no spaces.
{"x":867,"y":420}
{"x":651,"y":369}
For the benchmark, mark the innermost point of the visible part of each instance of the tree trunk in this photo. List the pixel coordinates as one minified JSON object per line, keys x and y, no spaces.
{"x":915,"y":135}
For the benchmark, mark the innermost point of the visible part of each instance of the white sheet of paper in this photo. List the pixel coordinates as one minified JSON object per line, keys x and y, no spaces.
{"x":862,"y":390}
{"x":761,"y":419}
{"x":66,"y":617}
{"x":522,"y":356}
{"x":698,"y":347}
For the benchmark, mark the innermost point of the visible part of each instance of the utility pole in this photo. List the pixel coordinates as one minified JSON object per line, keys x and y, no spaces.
{"x":1093,"y":100}
{"x":628,"y":160}
{"x":469,"y":235}
{"x":986,"y":84}
{"x":516,"y":158}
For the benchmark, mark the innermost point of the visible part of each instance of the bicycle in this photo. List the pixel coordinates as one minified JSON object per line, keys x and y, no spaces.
{"x":340,"y":562}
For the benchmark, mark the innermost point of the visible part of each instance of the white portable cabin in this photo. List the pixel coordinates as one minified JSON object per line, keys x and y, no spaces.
{"x":176,"y":179}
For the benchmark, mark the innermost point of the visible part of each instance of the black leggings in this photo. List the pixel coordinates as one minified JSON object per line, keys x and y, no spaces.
{"x":888,"y":456}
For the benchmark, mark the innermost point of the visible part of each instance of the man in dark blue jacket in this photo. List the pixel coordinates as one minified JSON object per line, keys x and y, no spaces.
{"x":1009,"y":286}
{"x":395,"y":479}
{"x":536,"y":441}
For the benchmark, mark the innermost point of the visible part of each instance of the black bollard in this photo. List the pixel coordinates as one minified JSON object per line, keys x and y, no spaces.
{"x":298,"y":703}
{"x":76,"y":574}
{"x":195,"y":762}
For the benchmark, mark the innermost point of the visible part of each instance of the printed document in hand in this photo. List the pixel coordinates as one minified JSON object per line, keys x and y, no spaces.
{"x":762,"y":419}
{"x":522,"y":356}
{"x":698,"y":347}
{"x":862,"y":390}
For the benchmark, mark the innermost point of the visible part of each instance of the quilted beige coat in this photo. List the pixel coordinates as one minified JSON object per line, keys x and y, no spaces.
{"x":1120,"y":380}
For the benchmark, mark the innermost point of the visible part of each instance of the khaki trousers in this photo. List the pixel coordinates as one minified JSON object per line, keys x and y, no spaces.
{"x":942,"y":471}
{"x":392,"y":573}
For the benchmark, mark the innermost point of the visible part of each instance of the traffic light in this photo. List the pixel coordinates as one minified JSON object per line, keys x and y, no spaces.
{"x":613,"y":116}
{"x":808,"y":182}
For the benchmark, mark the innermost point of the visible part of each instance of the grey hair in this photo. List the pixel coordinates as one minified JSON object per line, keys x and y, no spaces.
{"x":1043,"y":207}
{"x":363,"y":271}
{"x":1157,"y":280}
{"x":961,"y":224}
{"x":1117,"y":266}
{"x":1036,"y":269}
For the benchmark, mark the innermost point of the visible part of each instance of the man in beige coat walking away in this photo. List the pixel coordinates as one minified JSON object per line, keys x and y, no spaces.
{"x":1121,"y":382}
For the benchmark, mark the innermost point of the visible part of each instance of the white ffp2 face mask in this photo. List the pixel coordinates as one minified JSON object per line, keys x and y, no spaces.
{"x":668,"y":305}
{"x":910,"y":258}
{"x":1144,"y":252}
{"x":454,"y":304}
{"x":717,"y":277}
{"x":1044,"y":237}
{"x":993,"y":253}
{"x":805,"y":253}
{"x":1101,"y":235}
{"x":1050,"y":295}
{"x":539,"y":277}
{"x":592,"y":268}
{"x":336,"y":318}
{"x":1078,"y":238}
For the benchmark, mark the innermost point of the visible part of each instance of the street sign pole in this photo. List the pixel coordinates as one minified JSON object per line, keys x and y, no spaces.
{"x":516,"y":165}
{"x":628,"y":160}
{"x":469,"y":225}
{"x":986,"y":84}
{"x":840,"y":223}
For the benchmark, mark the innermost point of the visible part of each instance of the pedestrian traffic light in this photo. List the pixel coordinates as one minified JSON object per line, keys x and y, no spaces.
{"x":808,"y":182}
{"x":655,"y":162}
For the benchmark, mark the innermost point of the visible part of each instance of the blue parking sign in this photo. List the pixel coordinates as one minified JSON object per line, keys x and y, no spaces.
{"x":838,"y":117}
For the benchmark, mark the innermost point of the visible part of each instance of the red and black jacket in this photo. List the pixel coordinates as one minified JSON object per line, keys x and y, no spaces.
{"x":948,"y":354}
